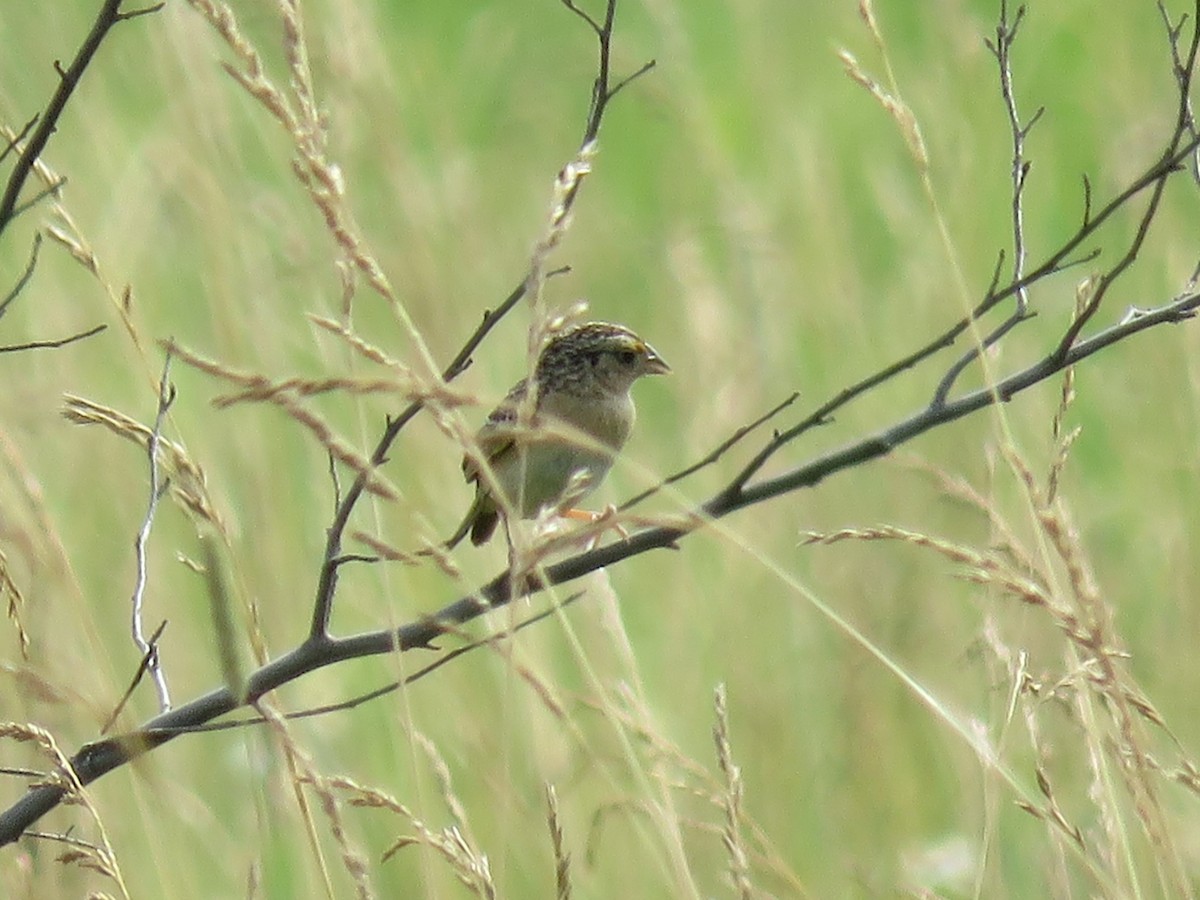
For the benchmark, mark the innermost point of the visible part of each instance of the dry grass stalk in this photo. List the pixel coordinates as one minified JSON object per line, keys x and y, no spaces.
{"x":542,"y":689}
{"x":1079,"y":610}
{"x":42,"y":543}
{"x":470,"y":867}
{"x":441,"y":774}
{"x":188,"y":482}
{"x":310,"y":387}
{"x":364,"y":348}
{"x":9,"y":589}
{"x":990,"y":568}
{"x":69,"y":236}
{"x":404,"y":384}
{"x":1003,"y":540}
{"x":289,"y":402}
{"x":1097,"y":640}
{"x":562,"y":859}
{"x":1064,"y":439}
{"x":622,"y":809}
{"x":1051,"y":810}
{"x":901,"y":114}
{"x":301,"y":119}
{"x":697,"y":781}
{"x":436,"y":552}
{"x":566,"y":187}
{"x":731,"y":800}
{"x":304,"y":772}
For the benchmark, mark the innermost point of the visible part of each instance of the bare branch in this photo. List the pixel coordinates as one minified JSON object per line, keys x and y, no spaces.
{"x":1177,"y":151}
{"x":1006,"y":35}
{"x":990,"y":340}
{"x":592,"y":23}
{"x":1059,"y":260}
{"x":628,"y":79}
{"x":108,"y":16}
{"x":96,"y":759}
{"x":60,"y":342}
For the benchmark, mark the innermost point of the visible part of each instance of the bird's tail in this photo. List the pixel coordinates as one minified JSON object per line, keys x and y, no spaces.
{"x":479,"y":522}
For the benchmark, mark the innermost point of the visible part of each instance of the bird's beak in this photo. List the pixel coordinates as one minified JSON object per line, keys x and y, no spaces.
{"x":655,"y":364}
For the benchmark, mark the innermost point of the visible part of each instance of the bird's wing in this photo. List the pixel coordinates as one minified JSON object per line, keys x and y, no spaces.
{"x":496,"y":437}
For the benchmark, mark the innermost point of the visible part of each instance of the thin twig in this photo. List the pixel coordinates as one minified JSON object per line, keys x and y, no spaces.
{"x":50,"y":344}
{"x":158,"y":487}
{"x":1060,"y":260}
{"x":25,"y":276}
{"x":1182,"y":76}
{"x":1006,"y":36}
{"x":720,"y":450}
{"x":989,"y":340}
{"x":1001,"y":48}
{"x":147,"y":658}
{"x":24,"y":773}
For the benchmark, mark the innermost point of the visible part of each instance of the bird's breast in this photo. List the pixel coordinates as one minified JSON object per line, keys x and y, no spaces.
{"x":607,"y":419}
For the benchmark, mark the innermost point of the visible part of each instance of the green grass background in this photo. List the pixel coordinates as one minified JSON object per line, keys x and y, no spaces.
{"x":754,"y":214}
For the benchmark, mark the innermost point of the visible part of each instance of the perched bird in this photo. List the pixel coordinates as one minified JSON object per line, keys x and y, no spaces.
{"x":582,"y":416}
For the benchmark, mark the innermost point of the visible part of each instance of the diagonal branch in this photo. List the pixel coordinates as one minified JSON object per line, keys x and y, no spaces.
{"x":56,"y":342}
{"x":99,"y":758}
{"x":1156,"y":175}
{"x":717,"y":452}
{"x":108,"y":16}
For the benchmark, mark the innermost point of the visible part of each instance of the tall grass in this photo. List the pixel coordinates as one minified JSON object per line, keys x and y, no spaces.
{"x":934,"y":676}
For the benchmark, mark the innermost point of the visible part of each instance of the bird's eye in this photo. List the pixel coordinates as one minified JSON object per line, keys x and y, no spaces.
{"x":627,"y":357}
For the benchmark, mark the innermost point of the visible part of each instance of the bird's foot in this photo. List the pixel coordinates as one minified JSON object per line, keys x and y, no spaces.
{"x":586,"y":515}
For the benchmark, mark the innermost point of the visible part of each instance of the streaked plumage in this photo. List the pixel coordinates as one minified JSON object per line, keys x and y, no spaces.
{"x":583,"y":416}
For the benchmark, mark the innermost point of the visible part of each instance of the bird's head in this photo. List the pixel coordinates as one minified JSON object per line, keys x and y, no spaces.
{"x":597,"y":357}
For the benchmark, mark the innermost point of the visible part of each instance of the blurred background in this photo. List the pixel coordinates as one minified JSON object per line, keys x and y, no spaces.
{"x":758,"y":217}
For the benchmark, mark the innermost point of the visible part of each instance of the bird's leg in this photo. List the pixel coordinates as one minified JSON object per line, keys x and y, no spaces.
{"x":586,"y":515}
